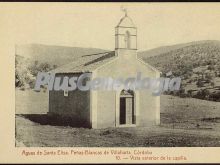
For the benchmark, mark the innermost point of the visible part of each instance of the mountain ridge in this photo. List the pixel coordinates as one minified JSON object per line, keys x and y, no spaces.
{"x":164,"y":49}
{"x":53,"y":54}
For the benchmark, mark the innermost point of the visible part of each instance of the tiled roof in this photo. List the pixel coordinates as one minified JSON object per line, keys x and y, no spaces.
{"x":86,"y":63}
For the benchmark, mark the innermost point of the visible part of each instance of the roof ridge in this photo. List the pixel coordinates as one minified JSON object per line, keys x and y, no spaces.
{"x":96,"y":54}
{"x":85,"y":61}
{"x":108,"y":55}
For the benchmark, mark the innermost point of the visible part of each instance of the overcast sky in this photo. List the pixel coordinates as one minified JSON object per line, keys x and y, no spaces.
{"x":92,"y":24}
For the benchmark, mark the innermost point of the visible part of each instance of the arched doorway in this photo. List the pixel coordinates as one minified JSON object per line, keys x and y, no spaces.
{"x":127,"y":111}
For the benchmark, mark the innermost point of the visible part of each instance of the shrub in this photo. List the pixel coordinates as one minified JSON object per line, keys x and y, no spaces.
{"x":203,"y":94}
{"x":215,"y":96}
{"x":200,"y":83}
{"x":211,"y":67}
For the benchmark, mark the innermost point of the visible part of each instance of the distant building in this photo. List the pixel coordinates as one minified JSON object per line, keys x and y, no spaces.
{"x":101,"y":109}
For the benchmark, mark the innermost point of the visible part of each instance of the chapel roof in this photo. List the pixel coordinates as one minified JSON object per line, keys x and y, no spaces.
{"x":86,"y":63}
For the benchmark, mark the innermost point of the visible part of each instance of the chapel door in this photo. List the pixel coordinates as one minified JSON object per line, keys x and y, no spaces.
{"x":127,"y":113}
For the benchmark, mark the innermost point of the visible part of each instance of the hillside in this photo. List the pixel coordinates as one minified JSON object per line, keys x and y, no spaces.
{"x":54,"y":55}
{"x":198,"y":64}
{"x":33,"y":58}
{"x":166,"y":49}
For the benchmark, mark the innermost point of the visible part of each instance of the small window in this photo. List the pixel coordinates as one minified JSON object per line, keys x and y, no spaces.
{"x":65,"y":92}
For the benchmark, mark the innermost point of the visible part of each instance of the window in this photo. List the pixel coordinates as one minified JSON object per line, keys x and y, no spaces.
{"x":66,"y":92}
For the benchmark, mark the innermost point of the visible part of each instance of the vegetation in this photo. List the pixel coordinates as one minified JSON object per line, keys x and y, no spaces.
{"x":197,"y":64}
{"x":26,"y":71}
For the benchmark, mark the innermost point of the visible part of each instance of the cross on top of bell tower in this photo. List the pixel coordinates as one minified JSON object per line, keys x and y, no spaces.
{"x":123,"y":9}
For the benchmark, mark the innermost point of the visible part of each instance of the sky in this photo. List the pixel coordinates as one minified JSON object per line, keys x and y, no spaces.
{"x":92,"y":24}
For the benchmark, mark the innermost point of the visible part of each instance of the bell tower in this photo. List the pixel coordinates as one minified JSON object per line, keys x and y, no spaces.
{"x":126,"y":34}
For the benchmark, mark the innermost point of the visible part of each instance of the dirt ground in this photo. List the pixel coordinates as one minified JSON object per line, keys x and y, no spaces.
{"x":184,"y":122}
{"x":32,"y":134}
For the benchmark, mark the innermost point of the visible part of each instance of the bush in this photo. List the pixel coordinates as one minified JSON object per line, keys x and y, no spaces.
{"x":202,"y":94}
{"x":22,"y":88}
{"x":215,"y":96}
{"x":211,"y":67}
{"x":200,"y":83}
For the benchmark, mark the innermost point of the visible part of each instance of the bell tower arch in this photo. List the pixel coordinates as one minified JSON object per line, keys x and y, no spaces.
{"x":126,"y":34}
